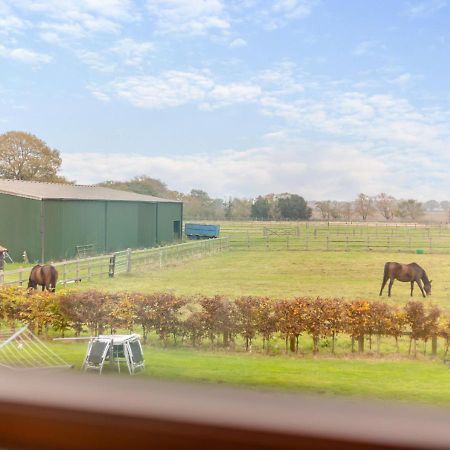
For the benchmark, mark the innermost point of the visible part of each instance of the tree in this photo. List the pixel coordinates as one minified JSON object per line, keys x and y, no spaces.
{"x":324,"y":209}
{"x":199,"y":205}
{"x":260,"y":208}
{"x":432,"y":205}
{"x":364,"y":206}
{"x":411,"y":209}
{"x":386,"y":205}
{"x":143,"y":184}
{"x":292,"y":206}
{"x":346,"y":210}
{"x":23,"y":156}
{"x":238,"y":208}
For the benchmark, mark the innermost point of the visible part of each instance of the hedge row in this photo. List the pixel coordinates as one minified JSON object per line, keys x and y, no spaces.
{"x":220,"y":320}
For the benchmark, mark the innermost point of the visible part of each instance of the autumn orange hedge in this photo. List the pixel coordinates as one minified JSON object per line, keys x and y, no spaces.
{"x":219,"y":320}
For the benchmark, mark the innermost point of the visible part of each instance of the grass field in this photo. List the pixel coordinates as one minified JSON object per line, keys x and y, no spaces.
{"x":406,"y":380}
{"x":285,"y":274}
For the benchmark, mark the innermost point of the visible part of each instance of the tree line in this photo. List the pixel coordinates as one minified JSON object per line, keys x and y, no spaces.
{"x":24,"y":156}
{"x":221,"y":321}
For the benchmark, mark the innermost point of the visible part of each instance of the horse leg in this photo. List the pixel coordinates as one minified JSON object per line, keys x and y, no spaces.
{"x":390,"y":286}
{"x":412,"y":287}
{"x":43,"y":287}
{"x":419,"y":283}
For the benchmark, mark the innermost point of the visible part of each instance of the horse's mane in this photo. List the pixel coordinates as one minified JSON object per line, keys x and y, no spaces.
{"x":424,"y":276}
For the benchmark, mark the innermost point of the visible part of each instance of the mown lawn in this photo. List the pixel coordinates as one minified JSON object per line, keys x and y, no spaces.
{"x":287,"y":274}
{"x":407,"y":380}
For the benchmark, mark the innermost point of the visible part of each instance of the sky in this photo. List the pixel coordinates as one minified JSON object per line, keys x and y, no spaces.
{"x":323,"y":98}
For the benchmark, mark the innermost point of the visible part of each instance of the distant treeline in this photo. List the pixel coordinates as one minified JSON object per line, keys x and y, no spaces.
{"x":286,"y":206}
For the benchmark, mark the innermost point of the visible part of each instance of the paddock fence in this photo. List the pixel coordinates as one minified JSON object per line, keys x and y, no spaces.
{"x":127,"y":261}
{"x":329,"y":236}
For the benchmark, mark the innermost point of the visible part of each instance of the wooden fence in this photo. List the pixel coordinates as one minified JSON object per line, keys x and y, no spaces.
{"x":73,"y":271}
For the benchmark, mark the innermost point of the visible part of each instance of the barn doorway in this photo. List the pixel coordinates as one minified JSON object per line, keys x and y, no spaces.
{"x":176,"y":229}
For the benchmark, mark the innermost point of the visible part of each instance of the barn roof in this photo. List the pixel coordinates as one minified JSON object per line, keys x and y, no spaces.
{"x":58,"y":191}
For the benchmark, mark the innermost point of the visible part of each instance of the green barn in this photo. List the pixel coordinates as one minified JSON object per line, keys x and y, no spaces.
{"x":53,"y":221}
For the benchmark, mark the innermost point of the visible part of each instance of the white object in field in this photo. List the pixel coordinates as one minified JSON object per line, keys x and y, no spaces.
{"x":116,"y":349}
{"x":22,"y":349}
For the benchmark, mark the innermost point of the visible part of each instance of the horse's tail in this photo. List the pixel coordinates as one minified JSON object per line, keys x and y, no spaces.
{"x":385,"y":277}
{"x":53,"y":278}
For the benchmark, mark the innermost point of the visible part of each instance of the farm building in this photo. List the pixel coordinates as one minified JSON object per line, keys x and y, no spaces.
{"x":54,"y":221}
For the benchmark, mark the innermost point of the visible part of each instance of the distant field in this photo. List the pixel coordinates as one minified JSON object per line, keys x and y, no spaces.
{"x":407,"y":238}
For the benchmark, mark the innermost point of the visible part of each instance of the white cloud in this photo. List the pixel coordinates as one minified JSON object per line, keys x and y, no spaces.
{"x":294,"y":9}
{"x":60,"y":20}
{"x":365,"y":47}
{"x":317,"y":171}
{"x":95,"y":61}
{"x":10,"y":24}
{"x":196,"y":17}
{"x":133,"y":52}
{"x":175,"y":88}
{"x":237,"y":43}
{"x":24,"y":55}
{"x":425,"y":8}
{"x":402,"y":79}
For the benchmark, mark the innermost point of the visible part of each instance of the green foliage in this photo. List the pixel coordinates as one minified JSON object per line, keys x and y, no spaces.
{"x":293,"y":207}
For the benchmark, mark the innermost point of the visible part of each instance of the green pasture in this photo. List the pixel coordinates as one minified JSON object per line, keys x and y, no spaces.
{"x":402,"y":379}
{"x":286,"y":274}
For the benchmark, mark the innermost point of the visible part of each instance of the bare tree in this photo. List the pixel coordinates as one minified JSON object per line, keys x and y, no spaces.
{"x":324,"y":209}
{"x":346,"y":209}
{"x":364,"y":206}
{"x":386,"y":205}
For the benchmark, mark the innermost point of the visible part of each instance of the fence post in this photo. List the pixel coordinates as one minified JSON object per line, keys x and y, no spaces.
{"x":64,"y":273}
{"x":112,"y":266}
{"x":128,"y":260}
{"x":77,"y":275}
{"x":89,"y":269}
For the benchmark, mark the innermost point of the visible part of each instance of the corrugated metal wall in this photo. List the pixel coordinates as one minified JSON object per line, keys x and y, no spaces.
{"x":20,"y":226}
{"x":69,"y":223}
{"x":168,"y":213}
{"x":106,"y":225}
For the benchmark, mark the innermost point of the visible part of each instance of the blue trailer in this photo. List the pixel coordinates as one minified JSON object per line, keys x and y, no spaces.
{"x":201,"y":231}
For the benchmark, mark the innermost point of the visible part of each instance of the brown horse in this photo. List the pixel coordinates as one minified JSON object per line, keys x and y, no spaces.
{"x":45,"y":276}
{"x":406,"y":272}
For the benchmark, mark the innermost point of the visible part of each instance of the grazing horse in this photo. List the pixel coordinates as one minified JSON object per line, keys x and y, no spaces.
{"x":406,"y":272}
{"x":45,"y":276}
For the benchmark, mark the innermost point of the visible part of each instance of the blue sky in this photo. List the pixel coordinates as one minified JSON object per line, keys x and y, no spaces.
{"x":323,"y":98}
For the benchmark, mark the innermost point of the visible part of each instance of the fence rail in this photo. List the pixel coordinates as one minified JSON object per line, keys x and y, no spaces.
{"x":73,"y":271}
